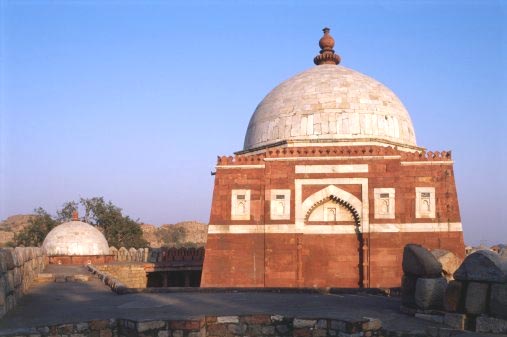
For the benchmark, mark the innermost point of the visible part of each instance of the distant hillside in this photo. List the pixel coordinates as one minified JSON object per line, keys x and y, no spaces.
{"x":11,"y":225}
{"x":186,"y":233}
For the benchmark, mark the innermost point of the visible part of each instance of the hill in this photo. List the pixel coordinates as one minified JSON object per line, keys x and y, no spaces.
{"x":11,"y":225}
{"x":186,"y":233}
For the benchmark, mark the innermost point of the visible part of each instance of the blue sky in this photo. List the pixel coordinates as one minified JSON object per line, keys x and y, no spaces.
{"x":133,"y":100}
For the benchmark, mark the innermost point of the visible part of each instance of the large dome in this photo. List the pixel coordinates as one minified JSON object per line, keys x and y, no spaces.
{"x":330,"y":103}
{"x":75,"y":238}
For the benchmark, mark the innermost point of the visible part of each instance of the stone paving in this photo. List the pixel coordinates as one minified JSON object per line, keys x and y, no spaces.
{"x":67,"y":302}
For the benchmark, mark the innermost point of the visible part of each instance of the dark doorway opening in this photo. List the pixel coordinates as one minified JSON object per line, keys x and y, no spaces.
{"x":177,"y":278}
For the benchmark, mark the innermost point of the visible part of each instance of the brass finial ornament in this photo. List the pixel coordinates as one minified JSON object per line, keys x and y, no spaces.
{"x":75,"y":216}
{"x":327,"y":55}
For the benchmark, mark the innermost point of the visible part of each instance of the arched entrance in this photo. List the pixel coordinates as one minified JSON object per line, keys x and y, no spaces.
{"x":340,"y":209}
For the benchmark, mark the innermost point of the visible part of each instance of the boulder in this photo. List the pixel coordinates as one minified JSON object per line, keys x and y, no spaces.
{"x":452,"y":296}
{"x":429,"y":292}
{"x":483,"y":266}
{"x":418,"y":261}
{"x":449,"y":261}
{"x":408,"y":283}
{"x":7,"y":258}
{"x":476,"y":298}
{"x":498,"y":300}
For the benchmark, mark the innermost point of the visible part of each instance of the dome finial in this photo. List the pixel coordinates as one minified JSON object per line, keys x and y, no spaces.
{"x":75,"y":216}
{"x":327,"y":55}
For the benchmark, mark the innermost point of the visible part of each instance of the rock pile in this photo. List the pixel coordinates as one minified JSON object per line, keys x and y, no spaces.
{"x":474,"y":299}
{"x":479,"y":292}
{"x":422,"y":285}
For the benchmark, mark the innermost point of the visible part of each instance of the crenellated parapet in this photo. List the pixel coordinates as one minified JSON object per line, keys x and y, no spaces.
{"x":427,"y":156}
{"x":129,"y":255}
{"x":331,"y":151}
{"x":242,"y":159}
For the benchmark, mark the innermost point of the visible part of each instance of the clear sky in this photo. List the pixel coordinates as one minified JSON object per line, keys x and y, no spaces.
{"x":133,"y":100}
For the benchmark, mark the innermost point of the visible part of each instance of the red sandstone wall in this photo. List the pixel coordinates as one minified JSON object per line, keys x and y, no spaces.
{"x":294,"y":260}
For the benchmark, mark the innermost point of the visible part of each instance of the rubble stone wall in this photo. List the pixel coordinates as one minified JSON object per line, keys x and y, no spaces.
{"x":132,"y":275}
{"x":223,"y":326}
{"x":18,"y":268}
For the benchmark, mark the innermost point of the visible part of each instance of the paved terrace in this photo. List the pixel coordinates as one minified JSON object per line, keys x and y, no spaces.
{"x":70,"y":302}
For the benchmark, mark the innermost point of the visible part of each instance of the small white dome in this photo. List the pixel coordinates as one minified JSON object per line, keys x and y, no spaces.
{"x":75,"y":238}
{"x":330,"y":103}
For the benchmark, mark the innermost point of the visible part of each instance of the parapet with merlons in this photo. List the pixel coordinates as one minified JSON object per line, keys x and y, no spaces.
{"x":336,"y":151}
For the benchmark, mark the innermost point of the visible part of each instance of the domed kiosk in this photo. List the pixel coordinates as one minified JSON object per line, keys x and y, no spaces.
{"x":76,"y":242}
{"x":329,"y":187}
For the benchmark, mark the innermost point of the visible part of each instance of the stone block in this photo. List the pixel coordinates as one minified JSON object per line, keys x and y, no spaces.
{"x":453,"y":296}
{"x":455,"y":321}
{"x":408,"y":283}
{"x":227,"y":319}
{"x":476,"y":298}
{"x":304,"y":323}
{"x":371,"y":324}
{"x":7,"y":258}
{"x":163,"y":333}
{"x":491,"y":324}
{"x":483,"y":266}
{"x":430,"y":317}
{"x":268,"y":330}
{"x":80,"y":327}
{"x":302,"y":332}
{"x":418,"y":261}
{"x":257,"y":319}
{"x":98,"y":324}
{"x":282,"y":329}
{"x":237,"y":329}
{"x":449,"y":261}
{"x":150,"y":325}
{"x":429,"y":292}
{"x":498,"y":300}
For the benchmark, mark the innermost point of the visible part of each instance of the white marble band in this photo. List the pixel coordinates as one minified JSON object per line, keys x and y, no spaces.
{"x":334,"y":229}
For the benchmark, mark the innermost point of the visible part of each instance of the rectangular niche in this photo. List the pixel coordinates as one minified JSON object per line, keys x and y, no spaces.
{"x":384,"y":203}
{"x":425,"y":202}
{"x":240,"y":205}
{"x":280,"y":204}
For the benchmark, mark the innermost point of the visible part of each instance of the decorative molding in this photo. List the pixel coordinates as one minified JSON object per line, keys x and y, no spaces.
{"x":331,"y":158}
{"x":353,"y":168}
{"x":335,"y":229}
{"x":424,"y":163}
{"x":261,"y":166}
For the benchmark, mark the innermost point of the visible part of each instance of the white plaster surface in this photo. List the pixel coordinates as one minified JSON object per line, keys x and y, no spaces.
{"x":381,"y":211}
{"x":279,"y":208}
{"x":302,"y":207}
{"x":424,"y":207}
{"x":240,"y":208}
{"x":331,"y":103}
{"x":75,"y":238}
{"x":354,"y":168}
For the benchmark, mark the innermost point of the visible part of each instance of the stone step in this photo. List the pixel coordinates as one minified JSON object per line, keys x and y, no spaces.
{"x":45,"y":278}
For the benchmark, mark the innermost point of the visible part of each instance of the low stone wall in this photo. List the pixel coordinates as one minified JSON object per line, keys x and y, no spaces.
{"x":210,"y":326}
{"x":131,"y":275}
{"x":18,"y":268}
{"x":129,"y":255}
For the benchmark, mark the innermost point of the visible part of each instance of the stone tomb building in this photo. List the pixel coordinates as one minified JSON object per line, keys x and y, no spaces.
{"x":76,"y":242}
{"x":328,"y":189}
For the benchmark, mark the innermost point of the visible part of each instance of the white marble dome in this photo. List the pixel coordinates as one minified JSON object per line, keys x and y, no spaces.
{"x":75,"y":238}
{"x":330,"y":103}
